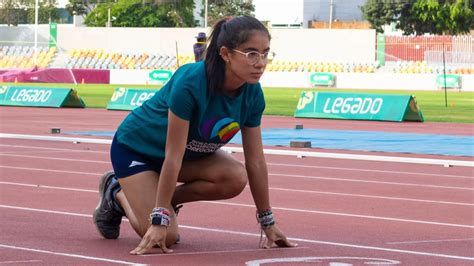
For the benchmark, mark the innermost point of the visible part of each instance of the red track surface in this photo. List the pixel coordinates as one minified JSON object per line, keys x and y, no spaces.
{"x":341,"y":212}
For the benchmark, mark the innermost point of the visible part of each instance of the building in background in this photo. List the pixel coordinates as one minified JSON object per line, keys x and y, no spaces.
{"x":311,"y":13}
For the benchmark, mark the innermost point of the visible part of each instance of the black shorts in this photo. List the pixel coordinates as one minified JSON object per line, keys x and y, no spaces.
{"x":127,"y":162}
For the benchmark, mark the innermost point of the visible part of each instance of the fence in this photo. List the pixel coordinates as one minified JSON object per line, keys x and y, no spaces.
{"x":457,"y":49}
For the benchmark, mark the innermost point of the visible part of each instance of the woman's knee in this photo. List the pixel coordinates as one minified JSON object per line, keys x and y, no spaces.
{"x":233,"y":181}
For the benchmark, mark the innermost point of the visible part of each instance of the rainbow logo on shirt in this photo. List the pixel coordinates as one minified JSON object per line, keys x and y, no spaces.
{"x":223,"y":127}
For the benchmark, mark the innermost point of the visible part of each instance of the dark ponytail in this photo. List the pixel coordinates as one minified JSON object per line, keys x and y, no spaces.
{"x":229,"y":33}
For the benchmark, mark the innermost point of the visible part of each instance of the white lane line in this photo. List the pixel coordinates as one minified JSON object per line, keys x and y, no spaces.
{"x":348,"y":215}
{"x":16,"y":262}
{"x":337,"y":244}
{"x":372,"y":197}
{"x":272,"y":174}
{"x":258,"y":235}
{"x":269,"y":163}
{"x":369,"y":170}
{"x":52,"y":149}
{"x":221,"y":251}
{"x":291,"y":209}
{"x":69,"y":255}
{"x":56,"y":158}
{"x":370,"y":181}
{"x":324,"y":261}
{"x":272,"y":188}
{"x":431,"y":241}
{"x":331,"y":155}
{"x":331,"y":213}
{"x":50,"y":170}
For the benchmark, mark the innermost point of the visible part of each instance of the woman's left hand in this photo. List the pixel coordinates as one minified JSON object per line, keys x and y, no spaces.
{"x":276,"y":237}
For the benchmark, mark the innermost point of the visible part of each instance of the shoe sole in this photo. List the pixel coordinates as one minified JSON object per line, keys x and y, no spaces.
{"x":103,"y":182}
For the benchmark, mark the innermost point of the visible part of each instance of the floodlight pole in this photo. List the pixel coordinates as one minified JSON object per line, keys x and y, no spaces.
{"x":330,"y":13}
{"x":205,"y":14}
{"x":36,"y":32}
{"x":444,"y":77}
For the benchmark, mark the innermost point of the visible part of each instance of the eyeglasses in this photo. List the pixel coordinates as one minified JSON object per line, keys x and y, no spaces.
{"x":253,"y":56}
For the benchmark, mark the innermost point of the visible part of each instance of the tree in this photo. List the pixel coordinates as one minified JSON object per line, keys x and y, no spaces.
{"x":13,"y":12}
{"x":47,"y":12}
{"x":218,"y":9}
{"x":143,"y":13}
{"x":421,"y":16}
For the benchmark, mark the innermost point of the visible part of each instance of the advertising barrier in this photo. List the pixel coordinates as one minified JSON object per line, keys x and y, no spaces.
{"x":322,"y":79}
{"x":129,"y":99}
{"x":358,"y":106}
{"x":40,"y":97}
{"x":451,"y":81}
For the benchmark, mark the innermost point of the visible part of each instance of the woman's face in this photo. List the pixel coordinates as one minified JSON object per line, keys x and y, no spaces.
{"x":247,"y":62}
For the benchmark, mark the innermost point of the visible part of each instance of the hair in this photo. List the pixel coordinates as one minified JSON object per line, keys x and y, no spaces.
{"x":229,"y":33}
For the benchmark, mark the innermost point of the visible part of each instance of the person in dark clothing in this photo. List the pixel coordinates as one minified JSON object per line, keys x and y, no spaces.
{"x":200,"y":46}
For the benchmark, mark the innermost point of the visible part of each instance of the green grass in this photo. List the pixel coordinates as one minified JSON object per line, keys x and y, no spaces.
{"x":283,"y":101}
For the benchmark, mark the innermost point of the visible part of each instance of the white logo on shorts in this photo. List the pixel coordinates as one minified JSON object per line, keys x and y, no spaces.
{"x":135,"y":163}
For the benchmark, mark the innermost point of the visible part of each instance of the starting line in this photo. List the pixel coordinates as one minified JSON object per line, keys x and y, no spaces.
{"x":299,"y":154}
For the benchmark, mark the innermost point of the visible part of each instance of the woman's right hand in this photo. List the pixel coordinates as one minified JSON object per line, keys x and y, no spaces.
{"x":155,"y":235}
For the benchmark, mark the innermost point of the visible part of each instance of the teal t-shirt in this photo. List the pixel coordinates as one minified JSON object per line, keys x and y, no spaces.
{"x":213,"y":119}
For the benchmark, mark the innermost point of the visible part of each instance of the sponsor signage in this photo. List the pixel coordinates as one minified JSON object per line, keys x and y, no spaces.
{"x":452,"y":81}
{"x":129,"y":99}
{"x":40,"y":97}
{"x":322,"y":79}
{"x":159,"y":76}
{"x":358,"y":106}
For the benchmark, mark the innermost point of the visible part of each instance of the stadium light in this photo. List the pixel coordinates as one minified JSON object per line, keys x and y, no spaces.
{"x":36,"y":32}
{"x":205,"y":14}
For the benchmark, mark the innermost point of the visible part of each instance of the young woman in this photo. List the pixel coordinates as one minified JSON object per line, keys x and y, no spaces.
{"x":175,"y":138}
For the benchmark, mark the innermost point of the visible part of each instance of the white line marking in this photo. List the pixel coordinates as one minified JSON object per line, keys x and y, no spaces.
{"x":347,"y":215}
{"x":430,"y":241}
{"x":271,"y":188}
{"x":55,"y":158}
{"x":369,"y":170}
{"x":375,"y":261}
{"x":373,"y":197}
{"x":269,"y":163}
{"x":52,"y":149}
{"x":276,"y":208}
{"x":69,"y":255}
{"x":258,"y":235}
{"x":49,"y":170}
{"x":48,"y":187}
{"x":16,"y":262}
{"x":337,"y":244}
{"x":370,"y":181}
{"x":220,"y":251}
{"x":270,"y":174}
{"x":271,"y":151}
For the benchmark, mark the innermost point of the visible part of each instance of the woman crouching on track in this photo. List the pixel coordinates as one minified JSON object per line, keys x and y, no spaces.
{"x":175,"y":138}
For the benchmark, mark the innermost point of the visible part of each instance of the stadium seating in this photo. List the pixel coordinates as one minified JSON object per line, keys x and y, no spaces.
{"x":422,"y":67}
{"x":316,"y":66}
{"x":23,"y":57}
{"x":99,"y":59}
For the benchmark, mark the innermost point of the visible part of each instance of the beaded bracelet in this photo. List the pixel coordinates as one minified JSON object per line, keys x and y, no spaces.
{"x":265,"y":219}
{"x":160,"y":216}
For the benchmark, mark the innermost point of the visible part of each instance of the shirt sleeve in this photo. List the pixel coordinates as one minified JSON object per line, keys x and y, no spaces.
{"x":181,"y":100}
{"x":256,"y":109}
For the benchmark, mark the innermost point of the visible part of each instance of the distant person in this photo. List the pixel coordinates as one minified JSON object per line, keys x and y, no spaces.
{"x":167,"y":151}
{"x":200,"y":46}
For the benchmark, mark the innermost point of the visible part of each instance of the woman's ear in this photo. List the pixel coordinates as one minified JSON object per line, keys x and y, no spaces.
{"x":224,"y":52}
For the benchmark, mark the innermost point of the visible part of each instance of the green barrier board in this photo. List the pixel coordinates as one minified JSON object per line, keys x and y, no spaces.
{"x":40,"y":97}
{"x":129,"y":99}
{"x":322,"y":79}
{"x":452,"y":81}
{"x":159,"y":76}
{"x":358,"y":106}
